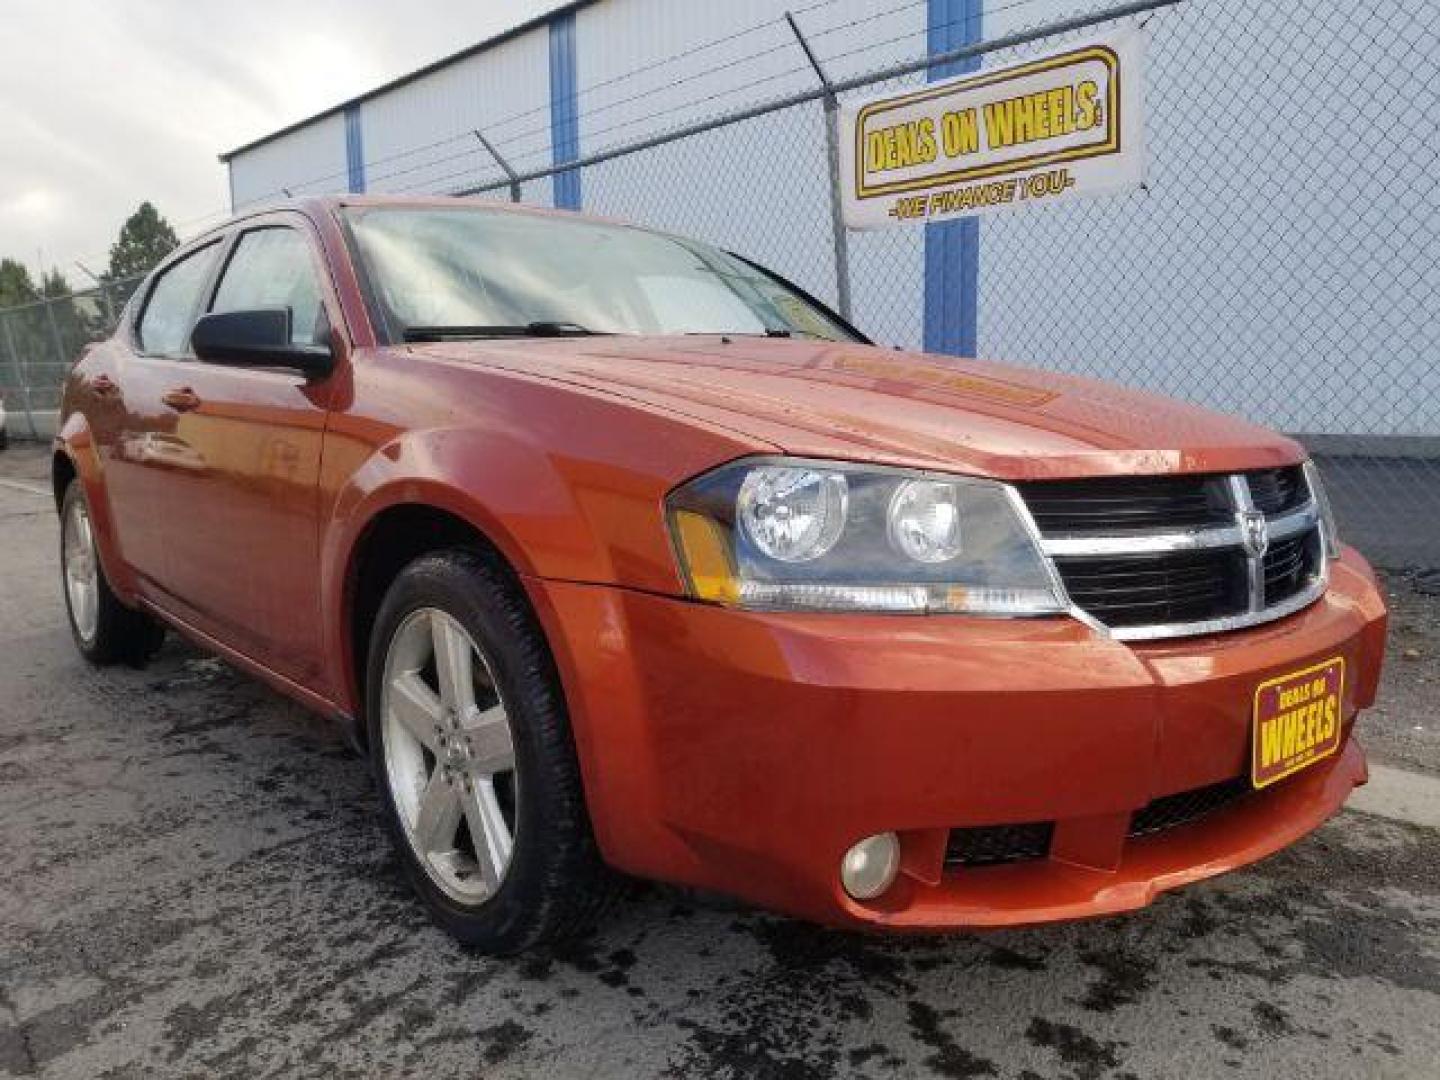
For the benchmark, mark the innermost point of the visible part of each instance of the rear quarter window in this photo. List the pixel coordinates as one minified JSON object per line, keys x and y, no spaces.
{"x":174,"y":303}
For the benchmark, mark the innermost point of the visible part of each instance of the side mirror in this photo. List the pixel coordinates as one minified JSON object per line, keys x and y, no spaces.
{"x":258,"y":338}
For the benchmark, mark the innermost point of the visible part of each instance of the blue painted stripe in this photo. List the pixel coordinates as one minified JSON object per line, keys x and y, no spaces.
{"x":354,"y":148}
{"x":564,"y":111}
{"x":952,"y":248}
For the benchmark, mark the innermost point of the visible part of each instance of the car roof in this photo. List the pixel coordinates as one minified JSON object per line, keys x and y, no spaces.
{"x":319,"y":206}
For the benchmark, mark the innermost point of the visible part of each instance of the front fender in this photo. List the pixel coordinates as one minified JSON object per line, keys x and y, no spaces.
{"x":567,"y":482}
{"x":586,"y":506}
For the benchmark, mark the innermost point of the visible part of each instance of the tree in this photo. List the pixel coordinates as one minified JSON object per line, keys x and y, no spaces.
{"x":53,"y":284}
{"x":74,"y":321}
{"x":24,"y":336}
{"x":16,"y":288}
{"x":48,"y":333}
{"x":144,"y":240}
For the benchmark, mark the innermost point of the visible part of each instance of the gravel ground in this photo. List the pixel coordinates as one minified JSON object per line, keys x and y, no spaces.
{"x":1404,"y":726}
{"x":198,"y":885}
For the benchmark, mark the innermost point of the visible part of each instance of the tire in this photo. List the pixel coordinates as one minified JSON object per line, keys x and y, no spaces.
{"x":104,"y":629}
{"x":452,"y":784}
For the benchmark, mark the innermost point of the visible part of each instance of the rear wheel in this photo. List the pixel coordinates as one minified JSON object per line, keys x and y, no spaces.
{"x":472,"y":747}
{"x":104,"y":629}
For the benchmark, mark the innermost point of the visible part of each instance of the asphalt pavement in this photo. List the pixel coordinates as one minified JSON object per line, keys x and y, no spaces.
{"x":196,"y":884}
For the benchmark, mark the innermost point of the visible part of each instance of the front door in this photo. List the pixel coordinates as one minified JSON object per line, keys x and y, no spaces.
{"x":242,"y":535}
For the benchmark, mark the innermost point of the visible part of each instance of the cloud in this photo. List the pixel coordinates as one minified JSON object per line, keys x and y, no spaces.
{"x":105,"y":104}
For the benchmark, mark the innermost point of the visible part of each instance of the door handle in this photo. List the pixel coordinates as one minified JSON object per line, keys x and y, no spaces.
{"x":103,"y":386}
{"x":181,"y":399}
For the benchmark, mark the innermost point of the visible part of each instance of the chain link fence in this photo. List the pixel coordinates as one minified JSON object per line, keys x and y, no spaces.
{"x":38,"y":343}
{"x":1281,"y":263}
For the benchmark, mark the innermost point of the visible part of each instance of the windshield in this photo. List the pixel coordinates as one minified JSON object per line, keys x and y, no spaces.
{"x":473,"y":272}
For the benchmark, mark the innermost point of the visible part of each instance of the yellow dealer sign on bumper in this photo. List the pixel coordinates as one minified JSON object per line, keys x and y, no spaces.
{"x":1048,"y":129}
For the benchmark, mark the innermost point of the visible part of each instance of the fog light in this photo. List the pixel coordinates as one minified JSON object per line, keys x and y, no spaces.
{"x":869,"y":868}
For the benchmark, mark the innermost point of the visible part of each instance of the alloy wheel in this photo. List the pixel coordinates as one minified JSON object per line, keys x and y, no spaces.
{"x":82,"y":571}
{"x":449,"y":755}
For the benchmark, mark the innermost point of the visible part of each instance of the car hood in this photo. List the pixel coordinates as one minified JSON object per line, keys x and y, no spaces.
{"x":859,"y":402}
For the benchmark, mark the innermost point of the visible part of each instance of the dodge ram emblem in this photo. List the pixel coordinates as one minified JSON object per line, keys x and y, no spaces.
{"x":1254,"y":532}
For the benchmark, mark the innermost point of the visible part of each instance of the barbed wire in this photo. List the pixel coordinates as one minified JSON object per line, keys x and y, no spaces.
{"x":516,"y":153}
{"x":573,"y":98}
{"x":517,"y":142}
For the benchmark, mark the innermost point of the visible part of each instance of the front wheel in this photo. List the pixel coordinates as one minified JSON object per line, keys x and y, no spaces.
{"x":104,"y":629}
{"x":471,"y":744}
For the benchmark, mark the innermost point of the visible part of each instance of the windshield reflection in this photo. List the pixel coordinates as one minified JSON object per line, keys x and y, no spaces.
{"x":476,"y":268}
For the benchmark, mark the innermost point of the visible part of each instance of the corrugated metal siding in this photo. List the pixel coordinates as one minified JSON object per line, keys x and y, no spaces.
{"x":418,"y":137}
{"x":310,"y":161}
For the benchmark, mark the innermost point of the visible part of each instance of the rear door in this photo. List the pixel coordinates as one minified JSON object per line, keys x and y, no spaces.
{"x":148,"y":467}
{"x":242,"y":538}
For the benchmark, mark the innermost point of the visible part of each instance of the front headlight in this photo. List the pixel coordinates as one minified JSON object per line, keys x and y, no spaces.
{"x":790,"y":534}
{"x":1327,"y":516}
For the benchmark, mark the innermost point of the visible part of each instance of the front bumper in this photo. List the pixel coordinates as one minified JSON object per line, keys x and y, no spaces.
{"x":745,"y":752}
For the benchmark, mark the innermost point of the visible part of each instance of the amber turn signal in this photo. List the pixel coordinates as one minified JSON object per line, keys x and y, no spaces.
{"x":705,"y":554}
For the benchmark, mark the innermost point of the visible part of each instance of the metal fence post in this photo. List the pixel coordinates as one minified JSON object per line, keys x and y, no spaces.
{"x":510,"y":173}
{"x":839,"y":236}
{"x":62,"y":361}
{"x":104,"y":293}
{"x":21,"y":383}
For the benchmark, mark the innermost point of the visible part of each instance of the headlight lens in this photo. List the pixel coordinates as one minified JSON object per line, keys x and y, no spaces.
{"x":826,"y":536}
{"x":1327,"y":517}
{"x":925,"y":520}
{"x":792,"y":515}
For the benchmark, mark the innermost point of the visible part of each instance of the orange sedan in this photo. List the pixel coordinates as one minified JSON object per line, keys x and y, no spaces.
{"x":619,"y":554}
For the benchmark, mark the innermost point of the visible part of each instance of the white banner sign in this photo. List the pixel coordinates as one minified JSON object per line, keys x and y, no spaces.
{"x":1049,"y":129}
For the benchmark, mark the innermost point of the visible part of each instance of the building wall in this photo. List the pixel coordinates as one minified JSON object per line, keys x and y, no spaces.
{"x":419,"y":136}
{"x":773,"y":188}
{"x":308,"y":161}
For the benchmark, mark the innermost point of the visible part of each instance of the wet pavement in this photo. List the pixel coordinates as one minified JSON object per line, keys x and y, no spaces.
{"x":197,"y":884}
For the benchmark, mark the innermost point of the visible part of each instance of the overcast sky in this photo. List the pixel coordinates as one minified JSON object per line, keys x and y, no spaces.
{"x":104,"y":103}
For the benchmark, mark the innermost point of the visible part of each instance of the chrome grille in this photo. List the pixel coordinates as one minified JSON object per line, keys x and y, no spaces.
{"x":1276,"y":490}
{"x":1157,"y":557}
{"x":1139,"y":590}
{"x":1123,"y":503}
{"x":1119,"y":504}
{"x":1287,"y":566}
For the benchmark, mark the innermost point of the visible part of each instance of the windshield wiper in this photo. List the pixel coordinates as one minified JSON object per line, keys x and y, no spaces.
{"x":540,"y":328}
{"x":769,"y":331}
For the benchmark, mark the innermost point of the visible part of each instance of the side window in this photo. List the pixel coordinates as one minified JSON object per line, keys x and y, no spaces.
{"x":271,"y":268}
{"x":174,"y":304}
